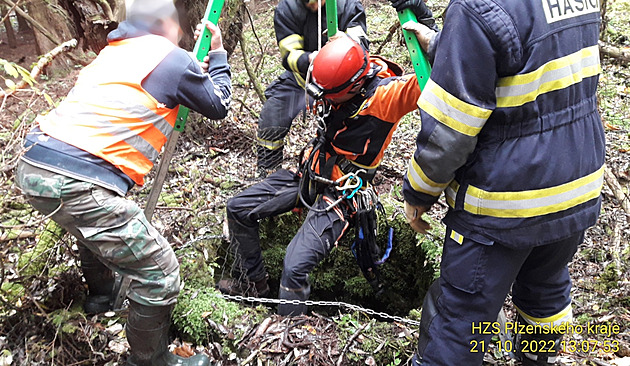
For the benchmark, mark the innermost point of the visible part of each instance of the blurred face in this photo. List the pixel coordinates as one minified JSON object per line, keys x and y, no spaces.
{"x":312,"y":4}
{"x":173,"y":32}
{"x":346,"y":97}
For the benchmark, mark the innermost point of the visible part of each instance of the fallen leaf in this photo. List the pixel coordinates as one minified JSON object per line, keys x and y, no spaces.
{"x":184,"y":351}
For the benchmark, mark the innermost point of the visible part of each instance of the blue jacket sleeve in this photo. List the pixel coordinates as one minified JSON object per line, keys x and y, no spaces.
{"x":455,"y":104}
{"x":178,"y":79}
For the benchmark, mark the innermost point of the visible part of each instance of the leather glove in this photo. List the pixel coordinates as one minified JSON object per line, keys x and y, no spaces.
{"x":419,"y":9}
{"x":414,"y":217}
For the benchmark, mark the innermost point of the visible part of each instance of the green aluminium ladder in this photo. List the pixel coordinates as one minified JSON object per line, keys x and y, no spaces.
{"x":202,"y":46}
{"x":420,"y":63}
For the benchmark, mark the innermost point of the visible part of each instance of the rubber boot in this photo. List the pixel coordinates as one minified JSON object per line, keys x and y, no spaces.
{"x":541,"y":349}
{"x":147,"y":333}
{"x":235,"y":287}
{"x":293,"y":309}
{"x":100,"y":281}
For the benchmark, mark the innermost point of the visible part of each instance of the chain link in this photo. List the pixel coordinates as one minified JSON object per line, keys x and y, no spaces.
{"x":338,"y":304}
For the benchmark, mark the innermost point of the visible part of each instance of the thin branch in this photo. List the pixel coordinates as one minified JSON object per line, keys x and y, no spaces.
{"x":33,"y":22}
{"x":42,"y":63}
{"x":250,"y":109}
{"x":106,"y":8}
{"x":250,"y":72}
{"x":251,"y":21}
{"x":392,"y":30}
{"x":10,"y":10}
{"x":615,"y":187}
{"x":614,"y":52}
{"x":34,"y":223}
{"x":354,"y":336}
{"x":262,"y":49}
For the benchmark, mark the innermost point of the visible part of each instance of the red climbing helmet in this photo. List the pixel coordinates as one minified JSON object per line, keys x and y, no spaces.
{"x":338,"y":66}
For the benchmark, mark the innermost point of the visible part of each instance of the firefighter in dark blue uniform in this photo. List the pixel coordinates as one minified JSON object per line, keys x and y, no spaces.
{"x":511,"y":133}
{"x":297,"y":34}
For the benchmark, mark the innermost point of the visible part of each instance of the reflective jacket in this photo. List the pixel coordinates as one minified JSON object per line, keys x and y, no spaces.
{"x":297,"y":31}
{"x":359,"y":131}
{"x":110,"y":115}
{"x":510,"y":127}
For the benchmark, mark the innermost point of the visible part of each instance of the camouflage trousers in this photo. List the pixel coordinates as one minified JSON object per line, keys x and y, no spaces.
{"x":113,"y":228}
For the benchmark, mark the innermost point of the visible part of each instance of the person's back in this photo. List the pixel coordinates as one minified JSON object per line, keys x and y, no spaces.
{"x":526,"y":88}
{"x":511,"y":133}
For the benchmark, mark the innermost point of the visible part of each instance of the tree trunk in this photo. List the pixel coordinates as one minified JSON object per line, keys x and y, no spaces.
{"x":22,"y":24}
{"x":9,"y":28}
{"x":89,"y":21}
{"x":51,"y":16}
{"x":93,"y":23}
{"x":231,"y":24}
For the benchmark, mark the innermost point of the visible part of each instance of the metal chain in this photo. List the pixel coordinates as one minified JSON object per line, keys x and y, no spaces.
{"x":339,"y":304}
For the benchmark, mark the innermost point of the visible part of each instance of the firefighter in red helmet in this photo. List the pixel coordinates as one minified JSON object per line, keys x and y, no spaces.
{"x":360,"y":100}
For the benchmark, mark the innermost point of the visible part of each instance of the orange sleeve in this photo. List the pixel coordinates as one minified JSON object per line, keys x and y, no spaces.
{"x":394,"y":99}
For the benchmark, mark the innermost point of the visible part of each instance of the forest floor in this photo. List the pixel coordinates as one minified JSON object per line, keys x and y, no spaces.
{"x":215,"y":160}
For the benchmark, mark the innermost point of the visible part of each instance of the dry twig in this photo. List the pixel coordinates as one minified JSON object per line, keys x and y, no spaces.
{"x":43,"y":62}
{"x":618,"y":192}
{"x":352,"y":338}
{"x":614,"y":52}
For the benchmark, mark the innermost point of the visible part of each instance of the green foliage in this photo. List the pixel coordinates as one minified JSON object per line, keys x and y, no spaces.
{"x":34,"y":261}
{"x":14,"y":71}
{"x":202,"y":316}
{"x":11,"y":292}
{"x":63,"y":319}
{"x":609,"y":279}
{"x":195,"y":269}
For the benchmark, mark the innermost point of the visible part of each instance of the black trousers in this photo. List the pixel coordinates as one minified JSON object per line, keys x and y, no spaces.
{"x":474,"y":280}
{"x":276,"y":194}
{"x":285,"y":100}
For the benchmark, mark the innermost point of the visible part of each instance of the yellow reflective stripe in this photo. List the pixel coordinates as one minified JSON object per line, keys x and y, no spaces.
{"x":534,"y":202}
{"x":269,"y":144}
{"x":373,"y":167}
{"x":360,"y":109}
{"x":459,"y":238}
{"x":564,"y":316}
{"x":291,"y":43}
{"x":420,"y":182}
{"x":463,"y":117}
{"x":293,"y":58}
{"x":451,"y":193}
{"x":300,"y":79}
{"x":554,"y":75}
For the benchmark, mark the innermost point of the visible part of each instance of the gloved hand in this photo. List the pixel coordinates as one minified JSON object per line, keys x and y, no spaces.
{"x":414,"y":217}
{"x":419,"y":9}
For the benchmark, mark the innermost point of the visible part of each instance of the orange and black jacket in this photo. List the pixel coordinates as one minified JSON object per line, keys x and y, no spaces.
{"x":359,"y":131}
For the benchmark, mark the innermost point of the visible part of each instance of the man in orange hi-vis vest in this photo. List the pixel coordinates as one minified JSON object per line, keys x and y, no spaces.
{"x":83,"y":157}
